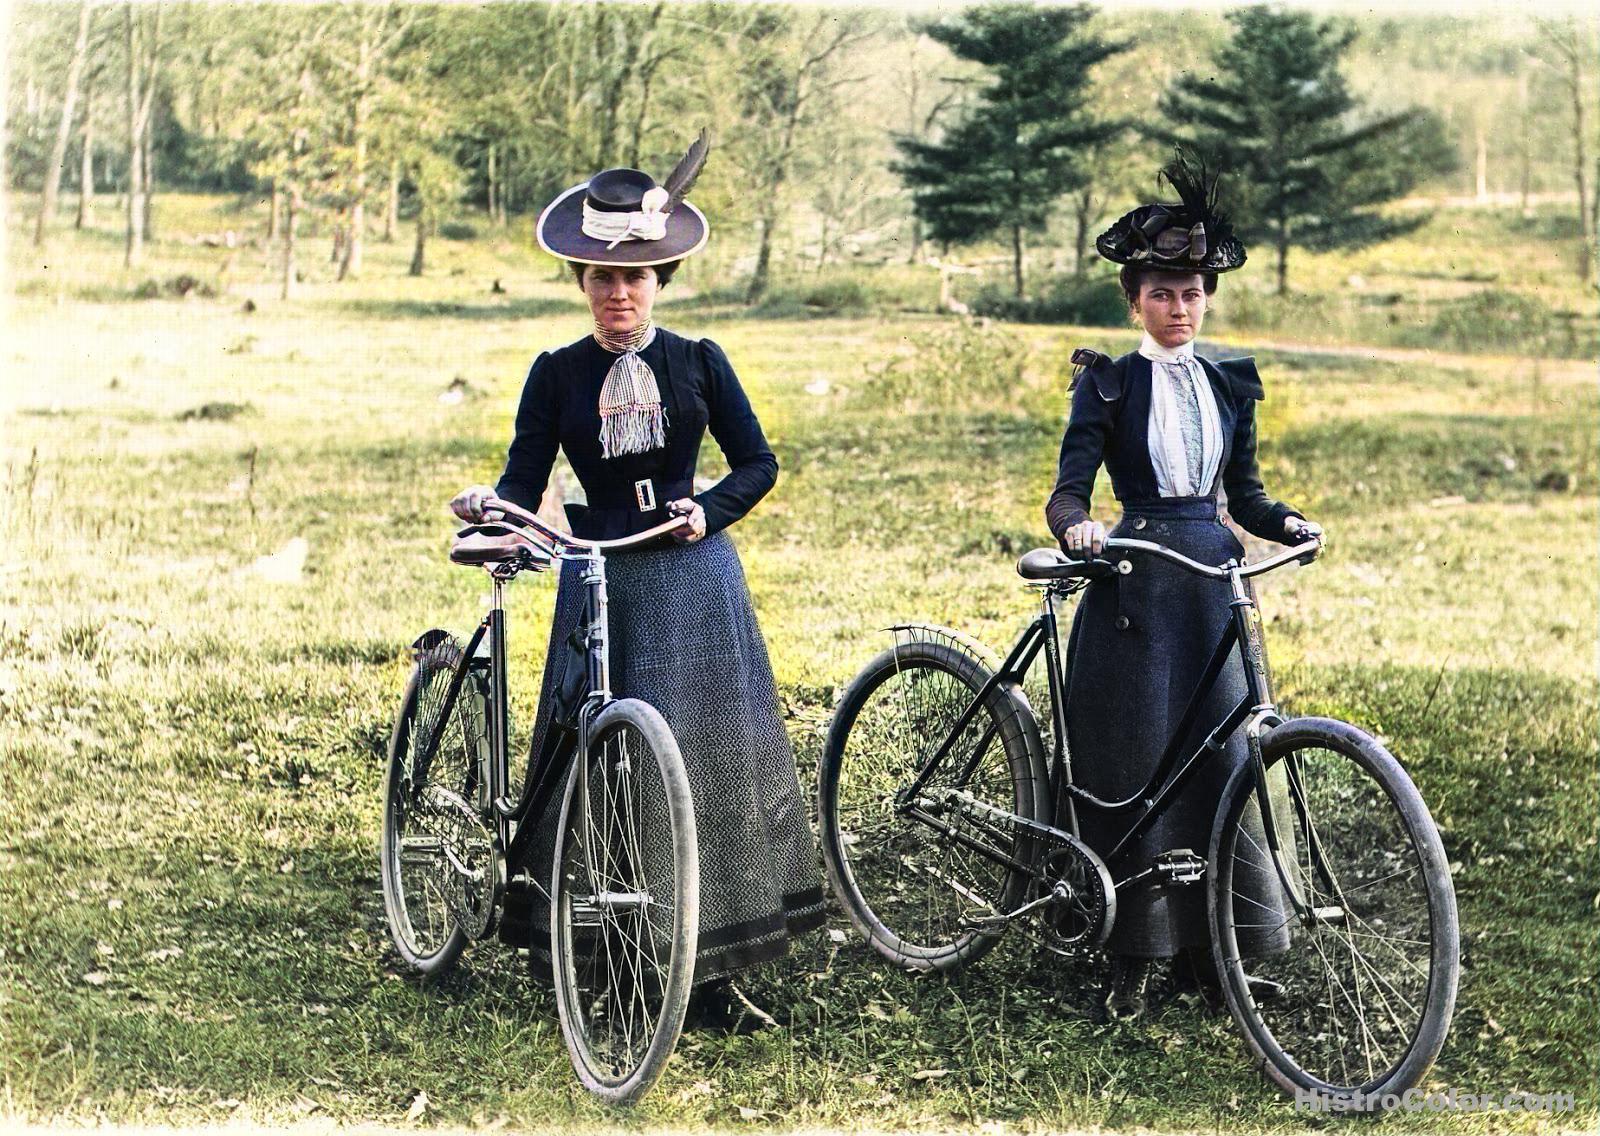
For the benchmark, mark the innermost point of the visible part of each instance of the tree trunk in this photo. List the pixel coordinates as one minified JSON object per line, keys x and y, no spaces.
{"x":1527,"y":144}
{"x":58,"y":152}
{"x":148,"y":220}
{"x":291,"y":230}
{"x":274,"y":207}
{"x":503,"y":198}
{"x":1483,"y":166}
{"x":1083,"y":215}
{"x":1580,"y":166}
{"x":419,"y":250}
{"x":338,"y":236}
{"x":1016,"y":258}
{"x":134,"y":251}
{"x":1283,"y":263}
{"x":86,"y":168}
{"x":490,"y":180}
{"x":391,"y":208}
{"x":758,"y":278}
{"x":350,"y":264}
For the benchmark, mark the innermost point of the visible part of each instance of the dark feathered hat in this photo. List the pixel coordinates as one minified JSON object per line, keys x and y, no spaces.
{"x":1192,"y":236}
{"x":622,"y":216}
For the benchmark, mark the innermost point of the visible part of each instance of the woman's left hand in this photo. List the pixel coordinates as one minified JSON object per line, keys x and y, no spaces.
{"x":690,"y":508}
{"x":1299,"y":530}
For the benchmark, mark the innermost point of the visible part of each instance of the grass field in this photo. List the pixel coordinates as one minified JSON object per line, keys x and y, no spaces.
{"x":191,"y":755}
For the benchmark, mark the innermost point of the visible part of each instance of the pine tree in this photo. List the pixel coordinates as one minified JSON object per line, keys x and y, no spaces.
{"x":1307,"y":166}
{"x":1008,"y":160}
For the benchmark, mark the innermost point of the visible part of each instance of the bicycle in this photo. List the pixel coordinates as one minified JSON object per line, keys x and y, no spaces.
{"x":624,"y":884}
{"x":943,"y":825}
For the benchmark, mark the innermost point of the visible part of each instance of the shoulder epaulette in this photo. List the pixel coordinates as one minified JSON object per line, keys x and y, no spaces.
{"x":1101,"y":369}
{"x":1243,"y":377}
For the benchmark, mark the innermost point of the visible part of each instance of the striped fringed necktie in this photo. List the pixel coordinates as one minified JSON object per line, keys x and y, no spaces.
{"x":632,"y":419}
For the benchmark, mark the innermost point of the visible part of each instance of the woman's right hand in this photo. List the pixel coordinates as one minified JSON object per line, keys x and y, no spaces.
{"x":468,"y":504}
{"x":1084,"y":539}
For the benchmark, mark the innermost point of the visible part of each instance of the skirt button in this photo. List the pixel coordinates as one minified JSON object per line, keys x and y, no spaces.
{"x":1138,"y":522}
{"x":1122,"y":623}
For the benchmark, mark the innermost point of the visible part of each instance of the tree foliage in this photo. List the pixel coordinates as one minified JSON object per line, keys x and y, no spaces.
{"x":1013,"y":152}
{"x":1308,"y":165}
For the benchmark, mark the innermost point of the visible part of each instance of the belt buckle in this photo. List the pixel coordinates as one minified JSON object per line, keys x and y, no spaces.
{"x":644,"y":492}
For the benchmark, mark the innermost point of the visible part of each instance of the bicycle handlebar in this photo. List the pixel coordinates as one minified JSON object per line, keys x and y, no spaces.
{"x":1304,"y":553}
{"x":562,"y":540}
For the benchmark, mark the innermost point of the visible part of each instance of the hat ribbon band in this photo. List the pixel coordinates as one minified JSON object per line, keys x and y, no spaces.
{"x":614,"y":228}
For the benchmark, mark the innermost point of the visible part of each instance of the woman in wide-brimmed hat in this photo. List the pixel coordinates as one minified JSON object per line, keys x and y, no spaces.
{"x":629,"y":404}
{"x":1177,"y":433}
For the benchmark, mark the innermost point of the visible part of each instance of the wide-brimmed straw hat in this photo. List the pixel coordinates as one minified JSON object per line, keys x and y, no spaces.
{"x":1191,"y":236}
{"x":621,"y":216}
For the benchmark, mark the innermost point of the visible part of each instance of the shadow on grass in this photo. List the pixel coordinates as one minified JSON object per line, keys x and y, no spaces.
{"x":492,"y":309}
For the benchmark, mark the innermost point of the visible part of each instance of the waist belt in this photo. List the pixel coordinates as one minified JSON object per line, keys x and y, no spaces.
{"x":644,"y":496}
{"x":1173,"y":508}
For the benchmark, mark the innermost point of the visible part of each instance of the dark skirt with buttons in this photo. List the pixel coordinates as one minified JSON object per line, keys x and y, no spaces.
{"x":1139,"y":646}
{"x":684,"y":639}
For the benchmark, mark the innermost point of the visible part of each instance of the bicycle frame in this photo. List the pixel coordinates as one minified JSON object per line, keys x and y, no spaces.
{"x":1255,"y":711}
{"x":513,"y":835}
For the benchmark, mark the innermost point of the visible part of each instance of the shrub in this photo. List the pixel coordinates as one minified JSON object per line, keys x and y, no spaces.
{"x":1092,"y":301}
{"x":1494,"y":318}
{"x":457,"y":231}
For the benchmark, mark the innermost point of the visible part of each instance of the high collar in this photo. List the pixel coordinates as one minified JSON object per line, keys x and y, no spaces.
{"x":1150,"y":349}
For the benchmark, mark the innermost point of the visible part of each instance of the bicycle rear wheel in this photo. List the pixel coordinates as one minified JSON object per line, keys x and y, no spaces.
{"x":1364,"y":985}
{"x":916,"y":894}
{"x":626,"y":903}
{"x":428,"y":814}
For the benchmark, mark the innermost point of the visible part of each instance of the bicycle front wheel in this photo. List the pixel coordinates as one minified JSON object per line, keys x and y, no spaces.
{"x":1350,"y":998}
{"x":626,"y":903}
{"x":917,"y":892}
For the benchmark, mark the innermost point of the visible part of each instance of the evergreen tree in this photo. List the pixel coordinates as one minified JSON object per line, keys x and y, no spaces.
{"x":1306,"y":164}
{"x":1007,"y":161}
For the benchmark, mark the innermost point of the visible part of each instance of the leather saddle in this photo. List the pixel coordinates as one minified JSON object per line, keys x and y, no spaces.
{"x":1053,"y":564}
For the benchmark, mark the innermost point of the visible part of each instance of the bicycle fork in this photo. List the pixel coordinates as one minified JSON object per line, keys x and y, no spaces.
{"x":1263,"y":715}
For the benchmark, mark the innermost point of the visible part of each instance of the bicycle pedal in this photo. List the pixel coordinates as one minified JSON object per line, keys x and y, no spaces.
{"x":987,"y":924}
{"x":1179,"y":866}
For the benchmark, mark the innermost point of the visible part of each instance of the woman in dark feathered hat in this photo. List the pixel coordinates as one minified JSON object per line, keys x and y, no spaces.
{"x":629,"y":404}
{"x":1177,"y":433}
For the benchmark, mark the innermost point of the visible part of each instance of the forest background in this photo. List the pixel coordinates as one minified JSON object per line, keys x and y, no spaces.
{"x":292,"y":315}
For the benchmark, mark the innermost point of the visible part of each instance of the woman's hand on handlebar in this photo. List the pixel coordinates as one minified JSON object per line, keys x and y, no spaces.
{"x":1084,"y":539}
{"x":695,"y":516}
{"x":1301,"y":531}
{"x":469,"y":503}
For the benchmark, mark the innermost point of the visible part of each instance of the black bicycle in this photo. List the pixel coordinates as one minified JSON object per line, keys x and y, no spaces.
{"x":623,"y":886}
{"x":944,"y":823}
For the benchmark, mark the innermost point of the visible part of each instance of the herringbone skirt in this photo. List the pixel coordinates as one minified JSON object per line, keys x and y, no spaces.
{"x":684,"y":639}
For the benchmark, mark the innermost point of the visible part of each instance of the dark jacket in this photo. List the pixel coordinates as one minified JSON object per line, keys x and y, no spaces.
{"x":1110,"y":421}
{"x":560,"y":408}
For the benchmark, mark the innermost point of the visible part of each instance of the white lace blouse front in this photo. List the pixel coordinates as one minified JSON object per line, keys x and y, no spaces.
{"x":1176,"y":377}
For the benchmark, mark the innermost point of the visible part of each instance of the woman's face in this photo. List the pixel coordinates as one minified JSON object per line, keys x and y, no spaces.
{"x":1172,"y":306}
{"x":620,"y":296}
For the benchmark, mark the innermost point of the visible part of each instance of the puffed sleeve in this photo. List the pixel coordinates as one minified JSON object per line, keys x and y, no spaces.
{"x":1082,"y":448}
{"x":1247,"y":497}
{"x":752,"y":466}
{"x":533,"y":446}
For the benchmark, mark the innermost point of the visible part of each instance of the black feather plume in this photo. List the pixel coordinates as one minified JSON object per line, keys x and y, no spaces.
{"x":683,"y":175}
{"x":1196,"y":185}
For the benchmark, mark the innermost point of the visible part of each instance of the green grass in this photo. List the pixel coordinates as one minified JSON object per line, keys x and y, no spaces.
{"x":190,"y":757}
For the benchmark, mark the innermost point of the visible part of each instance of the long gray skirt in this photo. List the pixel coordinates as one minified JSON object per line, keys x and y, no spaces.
{"x":684,"y":639}
{"x":1139,"y":645}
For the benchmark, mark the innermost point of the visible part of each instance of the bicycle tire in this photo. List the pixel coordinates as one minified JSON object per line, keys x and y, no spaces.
{"x":1366,"y":990}
{"x":625,"y":835}
{"x":873,"y":853}
{"x":425,"y":932}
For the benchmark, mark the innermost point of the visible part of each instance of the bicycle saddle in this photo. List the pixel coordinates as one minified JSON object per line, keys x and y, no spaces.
{"x":1053,"y":564}
{"x":481,"y":544}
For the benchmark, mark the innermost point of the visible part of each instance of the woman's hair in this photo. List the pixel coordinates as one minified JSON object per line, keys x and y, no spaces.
{"x":1133,"y":274}
{"x":663,"y":271}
